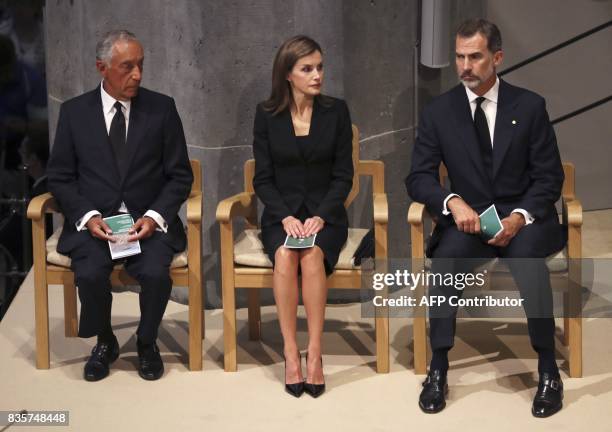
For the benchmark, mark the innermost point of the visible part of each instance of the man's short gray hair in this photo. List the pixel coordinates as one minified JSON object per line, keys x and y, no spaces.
{"x":104,"y":47}
{"x":488,"y":29}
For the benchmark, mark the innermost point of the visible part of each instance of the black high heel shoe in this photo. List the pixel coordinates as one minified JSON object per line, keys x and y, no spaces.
{"x":314,"y":390}
{"x":296,"y":389}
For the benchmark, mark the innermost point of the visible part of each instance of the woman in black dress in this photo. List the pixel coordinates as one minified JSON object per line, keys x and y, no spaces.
{"x":303,"y":174}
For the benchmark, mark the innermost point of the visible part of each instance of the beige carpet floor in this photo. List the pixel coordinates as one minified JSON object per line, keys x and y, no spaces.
{"x":492,"y":374}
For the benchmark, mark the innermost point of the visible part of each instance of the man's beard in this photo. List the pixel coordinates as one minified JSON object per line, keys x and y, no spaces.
{"x":476,"y":81}
{"x":471,"y":84}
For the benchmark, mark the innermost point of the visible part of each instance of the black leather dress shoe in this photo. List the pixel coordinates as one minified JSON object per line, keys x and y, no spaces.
{"x":549,"y":397}
{"x":294,"y":389}
{"x":314,"y":390}
{"x":435,"y":389}
{"x":102,"y":355}
{"x":150,"y":364}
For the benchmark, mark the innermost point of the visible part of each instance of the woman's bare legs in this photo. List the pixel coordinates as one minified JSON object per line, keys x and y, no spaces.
{"x":285,"y":286}
{"x":314,"y":294}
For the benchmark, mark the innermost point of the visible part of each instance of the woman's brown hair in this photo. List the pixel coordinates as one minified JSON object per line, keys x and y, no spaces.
{"x":287,"y":56}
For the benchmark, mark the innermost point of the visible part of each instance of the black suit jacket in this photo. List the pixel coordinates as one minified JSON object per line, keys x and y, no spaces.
{"x":83,"y":174}
{"x":285,"y":179}
{"x":527,"y":169}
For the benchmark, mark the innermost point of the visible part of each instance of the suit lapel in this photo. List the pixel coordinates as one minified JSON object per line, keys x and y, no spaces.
{"x":136,"y":130}
{"x":101,"y":146}
{"x":465,"y":126}
{"x":504,"y":129}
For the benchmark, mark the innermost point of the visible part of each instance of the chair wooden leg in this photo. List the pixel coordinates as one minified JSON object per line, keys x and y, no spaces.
{"x":575,"y":316}
{"x":382,"y":339}
{"x":419,"y":329}
{"x":419,"y":332}
{"x":254,"y":314}
{"x":575,"y":347}
{"x":229,"y":324}
{"x":71,"y":322}
{"x":575,"y":320}
{"x":229,"y":298}
{"x":41,"y":313}
{"x":196,"y":324}
{"x":41,"y":294}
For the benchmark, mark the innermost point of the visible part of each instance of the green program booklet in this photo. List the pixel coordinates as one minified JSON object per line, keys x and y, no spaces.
{"x":490,"y":224}
{"x":300,"y":243}
{"x":120,"y":225}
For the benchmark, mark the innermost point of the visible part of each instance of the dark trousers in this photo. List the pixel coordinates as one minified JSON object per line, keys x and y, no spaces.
{"x":531,"y":276}
{"x":92,"y":266}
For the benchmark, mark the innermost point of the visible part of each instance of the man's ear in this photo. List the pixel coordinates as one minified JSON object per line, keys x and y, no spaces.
{"x":498,"y":57}
{"x":102,"y":67}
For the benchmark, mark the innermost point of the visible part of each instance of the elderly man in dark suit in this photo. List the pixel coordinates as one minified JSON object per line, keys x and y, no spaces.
{"x":499,"y":147}
{"x":120,"y":149}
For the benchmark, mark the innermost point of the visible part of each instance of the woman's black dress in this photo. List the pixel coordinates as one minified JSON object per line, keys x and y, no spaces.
{"x":330,"y":239}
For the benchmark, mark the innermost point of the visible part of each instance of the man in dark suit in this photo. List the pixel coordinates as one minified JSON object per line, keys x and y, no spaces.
{"x":499,"y":147}
{"x":120,"y":149}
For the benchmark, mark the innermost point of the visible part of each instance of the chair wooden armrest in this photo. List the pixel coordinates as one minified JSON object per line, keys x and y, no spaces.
{"x":381,"y":208}
{"x":572,"y":212}
{"x":194,"y":208}
{"x":41,"y":204}
{"x":242,"y":204}
{"x":416,"y":217}
{"x":572,"y":217}
{"x":381,"y":219}
{"x":416,"y":214}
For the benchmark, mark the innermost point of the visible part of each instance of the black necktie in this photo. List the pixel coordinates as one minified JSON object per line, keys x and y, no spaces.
{"x":484,"y":138}
{"x":117,"y":133}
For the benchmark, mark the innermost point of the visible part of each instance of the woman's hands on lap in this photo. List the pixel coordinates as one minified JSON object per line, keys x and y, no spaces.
{"x":313,"y":225}
{"x":293,"y":227}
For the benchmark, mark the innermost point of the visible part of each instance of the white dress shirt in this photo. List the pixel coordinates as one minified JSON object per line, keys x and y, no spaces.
{"x":109,"y":110}
{"x":489,"y":106}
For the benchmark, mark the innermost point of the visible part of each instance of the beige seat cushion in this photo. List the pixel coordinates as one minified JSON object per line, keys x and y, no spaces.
{"x":54,"y":257}
{"x":248,"y":249}
{"x":557,"y":263}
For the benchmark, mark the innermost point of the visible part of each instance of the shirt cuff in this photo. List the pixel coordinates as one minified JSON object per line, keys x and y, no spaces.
{"x":161,"y":222}
{"x":81,"y":223}
{"x":528,"y":218}
{"x":445,"y":210}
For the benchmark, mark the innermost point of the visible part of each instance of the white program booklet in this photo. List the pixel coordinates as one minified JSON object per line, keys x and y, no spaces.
{"x":120,"y":225}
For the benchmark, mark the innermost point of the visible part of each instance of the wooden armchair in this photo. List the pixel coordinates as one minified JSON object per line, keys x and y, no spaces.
{"x":245,"y":265}
{"x":568,"y":277}
{"x":51,"y":268}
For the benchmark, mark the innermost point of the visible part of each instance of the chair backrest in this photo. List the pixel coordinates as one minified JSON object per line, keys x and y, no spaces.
{"x":249,"y":171}
{"x":568,"y":191}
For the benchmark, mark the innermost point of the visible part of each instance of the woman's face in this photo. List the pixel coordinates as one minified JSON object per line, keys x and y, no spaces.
{"x":306,"y":77}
